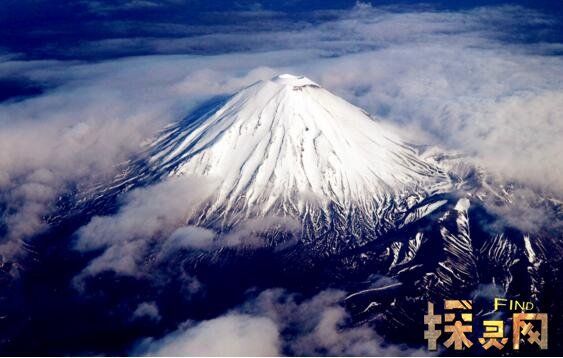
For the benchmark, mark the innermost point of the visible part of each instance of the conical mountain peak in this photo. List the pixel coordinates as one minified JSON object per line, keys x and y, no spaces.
{"x":292,"y":80}
{"x":283,"y":146}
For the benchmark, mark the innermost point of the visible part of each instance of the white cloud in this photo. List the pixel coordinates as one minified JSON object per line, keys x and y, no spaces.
{"x":526,"y":212}
{"x":277,"y":323}
{"x":147,"y":214}
{"x":187,"y":237}
{"x":229,"y":335}
{"x":248,"y":233}
{"x":152,"y":221}
{"x":497,"y":105}
{"x":320,"y":326}
{"x":147,"y":310}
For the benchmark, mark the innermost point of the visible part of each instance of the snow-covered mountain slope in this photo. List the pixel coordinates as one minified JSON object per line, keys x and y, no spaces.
{"x":288,"y":147}
{"x":288,"y":135}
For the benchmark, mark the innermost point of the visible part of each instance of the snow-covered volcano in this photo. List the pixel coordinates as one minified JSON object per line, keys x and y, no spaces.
{"x":288,"y":147}
{"x":341,"y":200}
{"x":361,"y":196}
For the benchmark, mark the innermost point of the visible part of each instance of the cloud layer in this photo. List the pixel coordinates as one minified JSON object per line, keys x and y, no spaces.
{"x":277,"y":323}
{"x":229,"y":335}
{"x":148,"y":213}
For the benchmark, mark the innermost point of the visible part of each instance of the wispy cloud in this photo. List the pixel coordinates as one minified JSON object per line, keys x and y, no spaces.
{"x":229,"y":335}
{"x":148,"y":213}
{"x":152,"y":221}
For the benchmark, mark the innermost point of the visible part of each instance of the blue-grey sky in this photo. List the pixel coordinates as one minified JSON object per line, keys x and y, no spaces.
{"x":75,"y":29}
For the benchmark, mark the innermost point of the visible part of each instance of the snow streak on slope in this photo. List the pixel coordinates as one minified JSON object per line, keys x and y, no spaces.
{"x":459,"y":268}
{"x":287,"y":147}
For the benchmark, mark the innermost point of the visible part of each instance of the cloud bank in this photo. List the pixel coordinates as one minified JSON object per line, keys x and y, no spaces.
{"x":229,"y":335}
{"x":277,"y":323}
{"x":147,"y":213}
{"x":152,"y":222}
